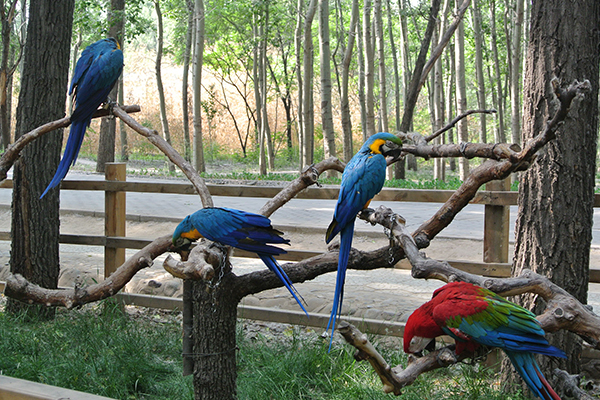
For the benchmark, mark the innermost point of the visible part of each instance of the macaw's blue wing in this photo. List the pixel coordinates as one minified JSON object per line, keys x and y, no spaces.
{"x":240,"y":229}
{"x":362,"y":179}
{"x":96,"y":72}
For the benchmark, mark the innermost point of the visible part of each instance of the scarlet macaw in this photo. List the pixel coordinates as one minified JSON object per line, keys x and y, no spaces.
{"x":241,"y":229}
{"x":96,"y":72}
{"x":476,"y":316}
{"x":362,"y":179}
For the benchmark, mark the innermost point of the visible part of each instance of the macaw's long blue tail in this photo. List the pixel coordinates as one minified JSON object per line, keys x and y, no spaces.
{"x":76,"y":135}
{"x":345,"y":245}
{"x":529,"y":370}
{"x":274,"y":266}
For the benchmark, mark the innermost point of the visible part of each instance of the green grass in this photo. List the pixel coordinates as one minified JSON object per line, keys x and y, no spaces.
{"x":103,"y":351}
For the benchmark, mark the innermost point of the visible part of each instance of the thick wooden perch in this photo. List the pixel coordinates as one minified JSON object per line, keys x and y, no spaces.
{"x":203,"y":260}
{"x":21,"y":289}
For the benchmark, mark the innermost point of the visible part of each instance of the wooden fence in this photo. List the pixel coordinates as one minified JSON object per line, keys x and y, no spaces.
{"x":495,"y":240}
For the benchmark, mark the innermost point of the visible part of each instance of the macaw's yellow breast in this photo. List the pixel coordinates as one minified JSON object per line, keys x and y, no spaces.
{"x":376,"y":145}
{"x":192,"y":235}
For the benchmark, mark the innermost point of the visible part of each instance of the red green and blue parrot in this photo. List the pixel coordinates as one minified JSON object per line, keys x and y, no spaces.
{"x":96,"y":72}
{"x":476,"y":316}
{"x":362,"y":179}
{"x":240,"y":229}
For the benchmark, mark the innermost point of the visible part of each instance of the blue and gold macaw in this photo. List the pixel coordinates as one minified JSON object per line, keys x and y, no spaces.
{"x":96,"y":72}
{"x":241,"y":229}
{"x":476,"y":316}
{"x":362,"y":179}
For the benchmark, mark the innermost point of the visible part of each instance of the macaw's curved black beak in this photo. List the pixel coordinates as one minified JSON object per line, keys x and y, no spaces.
{"x":182,"y":244}
{"x":392,"y":150}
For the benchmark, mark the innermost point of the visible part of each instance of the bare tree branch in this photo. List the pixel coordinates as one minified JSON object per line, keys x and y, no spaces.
{"x":154,"y":138}
{"x":455,"y":121}
{"x":19,"y":288}
{"x":12,"y":152}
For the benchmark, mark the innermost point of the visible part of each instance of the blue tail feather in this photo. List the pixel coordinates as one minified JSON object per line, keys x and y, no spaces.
{"x":346,"y":235}
{"x":272,"y":264}
{"x":529,"y":370}
{"x":74,"y":141}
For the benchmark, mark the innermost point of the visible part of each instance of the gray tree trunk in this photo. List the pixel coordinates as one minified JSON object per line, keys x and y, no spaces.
{"x":197,"y":85}
{"x":164,"y":121}
{"x":379,"y":40}
{"x":185,"y":81}
{"x":326,"y":106}
{"x":44,"y":79}
{"x":308,"y":106}
{"x":369,"y":57}
{"x":500,"y":136}
{"x":345,"y":99}
{"x":461,"y":96}
{"x":298,"y":48}
{"x":108,"y":125}
{"x":478,"y":33}
{"x":556,"y":194}
{"x":515,"y":73}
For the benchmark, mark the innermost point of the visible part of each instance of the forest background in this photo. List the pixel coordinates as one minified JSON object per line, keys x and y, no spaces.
{"x":481,"y":68}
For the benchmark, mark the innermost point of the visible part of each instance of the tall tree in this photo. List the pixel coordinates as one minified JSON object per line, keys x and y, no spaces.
{"x":8,"y":12}
{"x":185,"y":119}
{"x":35,"y":221}
{"x":164,"y":121}
{"x":515,"y":72}
{"x":369,"y":57}
{"x":308,"y":112}
{"x":479,"y":72}
{"x":556,"y":194}
{"x":500,"y":136}
{"x":379,"y":40}
{"x":106,"y":144}
{"x":298,"y":48}
{"x":326,"y":106}
{"x":345,"y":98}
{"x":197,"y":89}
{"x":461,"y":96}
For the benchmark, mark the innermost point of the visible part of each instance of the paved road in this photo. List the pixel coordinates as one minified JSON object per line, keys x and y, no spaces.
{"x":302,"y":213}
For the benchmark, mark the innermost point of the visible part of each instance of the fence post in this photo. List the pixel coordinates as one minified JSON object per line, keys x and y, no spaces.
{"x":114,"y":218}
{"x":496,"y":225}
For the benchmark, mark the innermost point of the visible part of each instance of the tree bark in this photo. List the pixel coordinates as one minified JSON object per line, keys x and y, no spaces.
{"x":326,"y":106}
{"x":500,"y":136}
{"x":198,"y":58}
{"x":187,"y":153}
{"x":345,"y":98}
{"x":478,"y":33}
{"x":215,"y":316}
{"x":515,"y":73}
{"x":108,"y":125}
{"x":308,"y":106}
{"x":298,"y":48}
{"x":369,"y":57}
{"x":556,"y":195}
{"x":379,"y":40}
{"x":35,"y":222}
{"x":461,"y":96}
{"x":7,"y":16}
{"x":164,"y":121}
